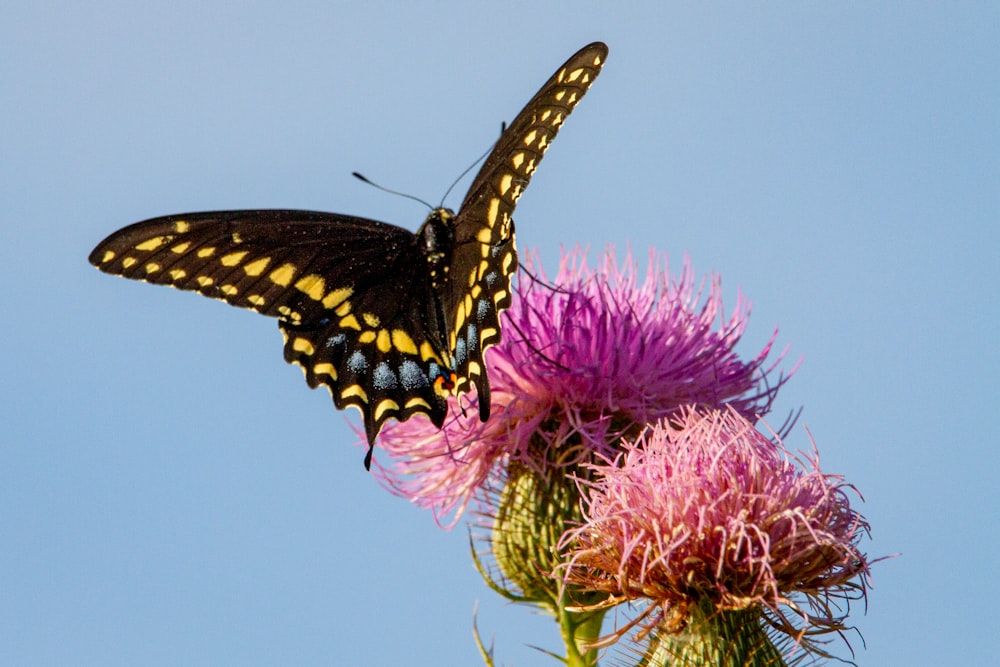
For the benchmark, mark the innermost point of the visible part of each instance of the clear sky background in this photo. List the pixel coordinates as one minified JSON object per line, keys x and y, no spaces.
{"x":172,"y":493}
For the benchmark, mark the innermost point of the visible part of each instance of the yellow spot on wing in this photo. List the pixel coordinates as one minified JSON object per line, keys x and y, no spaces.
{"x":181,"y":226}
{"x":383,"y":342}
{"x":153,"y":243}
{"x":181,"y":247}
{"x":354,"y":390}
{"x":325,"y":369}
{"x":128,"y":262}
{"x":371,"y":319}
{"x":416,"y":402}
{"x":517,"y":160}
{"x":488,"y":333}
{"x":575,"y":74}
{"x":337,"y":296}
{"x":350,"y":322}
{"x":283,"y":275}
{"x":427,"y":352}
{"x":474,"y":368}
{"x":303,"y":345}
{"x":233,"y":258}
{"x":384,"y":406}
{"x":505,"y":183}
{"x":207,"y":251}
{"x":402,"y":342}
{"x":205,"y":281}
{"x":256,"y":299}
{"x":152,"y":267}
{"x":228,"y":290}
{"x":178,"y":274}
{"x":530,"y":138}
{"x":343,"y":309}
{"x":491,"y":212}
{"x":366,"y":337}
{"x":508,"y":259}
{"x":108,"y":256}
{"x":460,"y":314}
{"x":256,"y":267}
{"x":312,"y":286}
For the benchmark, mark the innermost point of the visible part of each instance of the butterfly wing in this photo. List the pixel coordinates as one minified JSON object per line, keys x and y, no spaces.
{"x":485,"y":258}
{"x":352,"y":296}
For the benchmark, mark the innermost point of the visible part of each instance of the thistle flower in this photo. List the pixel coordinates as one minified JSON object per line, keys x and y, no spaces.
{"x":703,"y":518}
{"x":596,"y":356}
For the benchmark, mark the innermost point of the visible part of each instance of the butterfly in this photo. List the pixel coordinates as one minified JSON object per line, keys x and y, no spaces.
{"x":391,"y":322}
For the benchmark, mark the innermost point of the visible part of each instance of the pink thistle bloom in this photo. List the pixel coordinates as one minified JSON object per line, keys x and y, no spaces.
{"x":706,"y":511}
{"x":594,"y":357}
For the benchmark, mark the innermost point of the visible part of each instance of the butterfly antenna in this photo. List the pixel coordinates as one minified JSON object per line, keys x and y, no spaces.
{"x":531,"y":346}
{"x":503,"y":127}
{"x":538,"y":281}
{"x":365,"y":179}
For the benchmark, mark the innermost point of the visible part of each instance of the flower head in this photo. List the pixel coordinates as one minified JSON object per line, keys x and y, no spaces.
{"x":705,"y":512}
{"x":596,"y":356}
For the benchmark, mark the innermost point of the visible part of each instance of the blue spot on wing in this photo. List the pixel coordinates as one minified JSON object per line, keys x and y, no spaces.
{"x":383,"y":378}
{"x":473,"y":338}
{"x":413,"y":376}
{"x":357,"y":362}
{"x":436,"y":371}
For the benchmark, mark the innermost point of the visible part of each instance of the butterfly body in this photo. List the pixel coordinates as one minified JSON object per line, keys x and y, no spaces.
{"x":391,"y":322}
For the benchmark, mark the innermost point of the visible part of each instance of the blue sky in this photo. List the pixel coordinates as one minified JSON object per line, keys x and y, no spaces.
{"x":172,"y":493}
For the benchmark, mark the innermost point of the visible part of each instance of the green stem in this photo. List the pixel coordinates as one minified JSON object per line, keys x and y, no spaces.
{"x":579,"y":630}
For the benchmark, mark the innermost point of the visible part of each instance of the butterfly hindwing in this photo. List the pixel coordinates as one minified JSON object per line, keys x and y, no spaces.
{"x":485,"y":257}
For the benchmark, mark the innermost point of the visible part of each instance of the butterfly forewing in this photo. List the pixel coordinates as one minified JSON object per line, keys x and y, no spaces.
{"x":485,"y":257}
{"x":289,"y":264}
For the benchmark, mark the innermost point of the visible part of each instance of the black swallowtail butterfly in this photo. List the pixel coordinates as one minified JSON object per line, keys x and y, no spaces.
{"x":390,"y":321}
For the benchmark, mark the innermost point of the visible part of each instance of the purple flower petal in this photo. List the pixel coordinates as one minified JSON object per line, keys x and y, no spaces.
{"x":596,"y":356}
